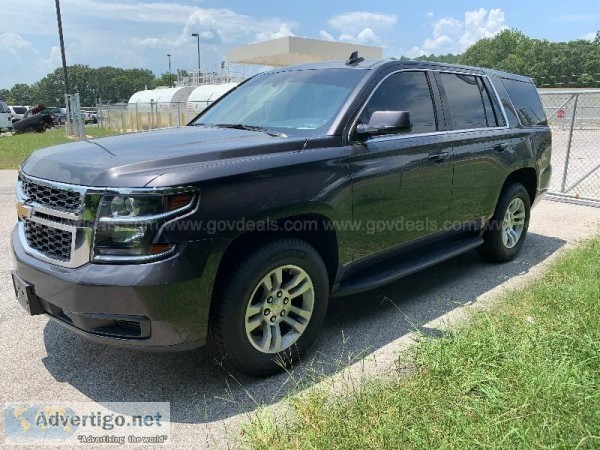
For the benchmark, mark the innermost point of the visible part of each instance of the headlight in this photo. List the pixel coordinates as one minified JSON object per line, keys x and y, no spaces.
{"x":127,"y":225}
{"x":142,"y":207}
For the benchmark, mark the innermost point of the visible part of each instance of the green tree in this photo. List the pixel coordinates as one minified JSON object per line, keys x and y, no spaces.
{"x":106,"y":84}
{"x":450,"y":58}
{"x":4,"y":94}
{"x":166,"y":79}
{"x":20,"y":94}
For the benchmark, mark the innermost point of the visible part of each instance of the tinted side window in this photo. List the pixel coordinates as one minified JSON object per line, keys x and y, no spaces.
{"x":4,"y":108}
{"x":404,"y":91}
{"x":490,"y":114}
{"x":527,"y":102}
{"x":464,"y":100}
{"x":509,"y":109}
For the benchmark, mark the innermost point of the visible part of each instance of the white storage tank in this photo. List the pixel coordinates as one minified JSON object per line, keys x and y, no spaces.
{"x":204,"y":95}
{"x":157,"y":108}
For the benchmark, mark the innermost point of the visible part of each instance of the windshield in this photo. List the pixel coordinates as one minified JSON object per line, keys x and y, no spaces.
{"x":298,"y":103}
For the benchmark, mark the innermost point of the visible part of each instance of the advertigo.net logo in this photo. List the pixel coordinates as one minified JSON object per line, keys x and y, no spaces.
{"x":79,"y":423}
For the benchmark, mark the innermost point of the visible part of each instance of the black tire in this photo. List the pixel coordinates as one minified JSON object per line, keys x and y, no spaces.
{"x":493,"y":248}
{"x":227,"y":339}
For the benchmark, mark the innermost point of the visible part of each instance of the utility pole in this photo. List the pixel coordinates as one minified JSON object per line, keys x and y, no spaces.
{"x":170,"y":76}
{"x":197,"y":36}
{"x":62,"y":47}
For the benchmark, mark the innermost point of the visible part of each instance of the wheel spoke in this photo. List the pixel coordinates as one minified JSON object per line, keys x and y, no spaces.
{"x":513,"y":237}
{"x":265,"y":343}
{"x":276,"y":333}
{"x":267,"y":282}
{"x":298,"y":278}
{"x":253,"y":310}
{"x":296,"y":325}
{"x":253,"y":324}
{"x":277,"y":277}
{"x":304,"y":286}
{"x":301,"y":312}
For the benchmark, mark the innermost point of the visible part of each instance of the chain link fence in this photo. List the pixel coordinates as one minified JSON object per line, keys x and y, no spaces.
{"x":574,"y":116}
{"x":131,"y":117}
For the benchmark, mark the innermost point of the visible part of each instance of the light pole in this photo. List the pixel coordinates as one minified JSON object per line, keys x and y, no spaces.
{"x":62,"y":47}
{"x":170,"y":76}
{"x":197,"y":36}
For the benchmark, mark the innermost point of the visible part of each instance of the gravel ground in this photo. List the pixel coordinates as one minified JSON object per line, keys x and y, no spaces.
{"x":42,"y":362}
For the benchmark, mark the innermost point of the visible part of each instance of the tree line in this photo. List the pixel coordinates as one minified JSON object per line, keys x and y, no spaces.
{"x":550,"y":64}
{"x":106,"y":84}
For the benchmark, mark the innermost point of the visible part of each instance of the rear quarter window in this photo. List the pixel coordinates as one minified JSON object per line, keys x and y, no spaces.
{"x":527,"y":102}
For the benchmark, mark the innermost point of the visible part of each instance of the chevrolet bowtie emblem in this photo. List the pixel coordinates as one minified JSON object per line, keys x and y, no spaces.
{"x":23,"y":211}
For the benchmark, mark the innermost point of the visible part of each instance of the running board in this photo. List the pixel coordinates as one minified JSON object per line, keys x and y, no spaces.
{"x":406,"y":263}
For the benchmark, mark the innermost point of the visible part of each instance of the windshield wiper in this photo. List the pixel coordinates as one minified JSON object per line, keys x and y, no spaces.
{"x":241,"y":126}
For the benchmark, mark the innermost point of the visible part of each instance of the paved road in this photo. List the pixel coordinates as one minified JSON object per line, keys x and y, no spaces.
{"x":39,"y":361}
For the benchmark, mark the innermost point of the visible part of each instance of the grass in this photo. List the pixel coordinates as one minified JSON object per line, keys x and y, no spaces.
{"x":524,"y":375}
{"x":14,"y":149}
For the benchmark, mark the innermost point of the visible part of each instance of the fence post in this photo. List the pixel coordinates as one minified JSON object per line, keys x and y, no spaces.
{"x":569,"y":142}
{"x":151,"y":113}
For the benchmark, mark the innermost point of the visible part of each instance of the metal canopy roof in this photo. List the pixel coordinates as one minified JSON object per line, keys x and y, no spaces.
{"x":288,"y":51}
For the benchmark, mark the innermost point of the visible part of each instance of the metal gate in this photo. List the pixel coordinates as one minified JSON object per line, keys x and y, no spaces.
{"x":574,"y":116}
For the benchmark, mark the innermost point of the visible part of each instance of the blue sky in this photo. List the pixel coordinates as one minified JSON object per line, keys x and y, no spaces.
{"x":140,"y":33}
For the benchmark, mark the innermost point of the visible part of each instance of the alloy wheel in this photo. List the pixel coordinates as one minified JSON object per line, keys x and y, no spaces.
{"x":279,"y":309}
{"x":513,"y":223}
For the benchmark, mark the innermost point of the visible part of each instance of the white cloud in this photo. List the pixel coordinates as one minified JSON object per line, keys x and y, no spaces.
{"x":430,"y":14}
{"x":53,"y":60}
{"x":12,"y":43}
{"x":358,"y":27}
{"x":220,"y":26}
{"x":451,"y":35}
{"x":589,"y":36}
{"x":284,"y":30}
{"x":326,"y":36}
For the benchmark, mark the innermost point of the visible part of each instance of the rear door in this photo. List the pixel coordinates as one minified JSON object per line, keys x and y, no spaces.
{"x":482,"y":147}
{"x":402,"y":183}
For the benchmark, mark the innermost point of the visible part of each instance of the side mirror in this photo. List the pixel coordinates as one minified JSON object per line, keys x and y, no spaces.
{"x":386,"y":122}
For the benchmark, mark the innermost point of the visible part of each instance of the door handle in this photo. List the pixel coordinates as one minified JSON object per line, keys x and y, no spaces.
{"x":501,"y":147}
{"x":438,"y":157}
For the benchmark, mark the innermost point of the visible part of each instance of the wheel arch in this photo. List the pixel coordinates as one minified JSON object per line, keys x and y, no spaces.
{"x":527,"y":176}
{"x":315,"y":229}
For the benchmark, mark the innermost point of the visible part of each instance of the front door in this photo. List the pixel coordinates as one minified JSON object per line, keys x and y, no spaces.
{"x":402,"y":183}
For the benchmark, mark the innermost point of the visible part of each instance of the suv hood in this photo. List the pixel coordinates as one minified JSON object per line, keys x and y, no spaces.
{"x":133,"y":160}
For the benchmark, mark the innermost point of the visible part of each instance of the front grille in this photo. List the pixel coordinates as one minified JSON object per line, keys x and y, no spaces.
{"x":49,"y":241}
{"x":51,"y":197}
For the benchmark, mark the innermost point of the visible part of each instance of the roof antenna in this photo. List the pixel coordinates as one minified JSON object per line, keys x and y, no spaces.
{"x":354,"y":59}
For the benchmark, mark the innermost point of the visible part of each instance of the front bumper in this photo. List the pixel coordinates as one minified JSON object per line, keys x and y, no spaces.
{"x":162,"y":305}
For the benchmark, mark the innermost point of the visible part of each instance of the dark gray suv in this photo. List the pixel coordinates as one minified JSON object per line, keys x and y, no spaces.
{"x":300,"y":184}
